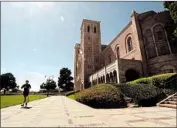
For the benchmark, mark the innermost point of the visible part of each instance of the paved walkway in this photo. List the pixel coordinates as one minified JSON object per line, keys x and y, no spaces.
{"x":60,"y":111}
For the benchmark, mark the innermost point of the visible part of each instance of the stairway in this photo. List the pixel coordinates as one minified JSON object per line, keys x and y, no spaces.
{"x":169,"y":102}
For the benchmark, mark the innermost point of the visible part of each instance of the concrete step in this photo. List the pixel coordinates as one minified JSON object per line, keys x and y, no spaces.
{"x":171,"y":102}
{"x":172,"y":99}
{"x":168,"y":105}
{"x":175,"y":96}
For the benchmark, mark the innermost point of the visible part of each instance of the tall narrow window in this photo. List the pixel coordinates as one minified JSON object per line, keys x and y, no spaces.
{"x":109,"y":59}
{"x":149,"y":44}
{"x":160,"y":40}
{"x":160,"y":35}
{"x":118,"y":53}
{"x":129,"y":44}
{"x":94,"y":29}
{"x":88,"y":28}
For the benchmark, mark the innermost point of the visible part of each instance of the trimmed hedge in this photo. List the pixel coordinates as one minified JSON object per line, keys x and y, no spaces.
{"x":70,"y":93}
{"x":142,"y":94}
{"x":102,"y":96}
{"x":168,"y":81}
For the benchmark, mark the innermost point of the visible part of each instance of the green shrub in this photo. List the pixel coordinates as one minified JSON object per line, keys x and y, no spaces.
{"x":168,"y":80}
{"x":168,"y":91}
{"x":142,"y":94}
{"x":102,"y":96}
{"x":127,"y":90}
{"x":148,"y":95}
{"x":69,"y":93}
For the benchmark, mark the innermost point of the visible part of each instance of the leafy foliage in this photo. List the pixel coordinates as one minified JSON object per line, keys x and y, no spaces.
{"x":101,"y":96}
{"x":65,"y":80}
{"x":49,"y":85}
{"x":8,"y":81}
{"x":142,"y":94}
{"x":168,"y":80}
{"x":70,"y":93}
{"x":172,"y":8}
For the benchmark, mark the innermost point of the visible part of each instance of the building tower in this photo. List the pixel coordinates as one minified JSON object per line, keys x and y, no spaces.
{"x":90,"y":49}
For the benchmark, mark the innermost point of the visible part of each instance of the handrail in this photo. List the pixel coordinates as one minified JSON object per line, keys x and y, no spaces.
{"x":167,"y":98}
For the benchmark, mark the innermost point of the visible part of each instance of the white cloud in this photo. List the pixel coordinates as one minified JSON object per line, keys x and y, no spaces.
{"x":34,"y":49}
{"x":62,"y":18}
{"x":37,"y":74}
{"x":33,"y":8}
{"x":35,"y":79}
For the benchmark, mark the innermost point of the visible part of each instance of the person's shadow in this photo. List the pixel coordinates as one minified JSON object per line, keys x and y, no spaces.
{"x":27,"y":107}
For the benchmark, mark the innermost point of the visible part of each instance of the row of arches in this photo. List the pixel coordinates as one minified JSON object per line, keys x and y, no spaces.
{"x":111,"y":77}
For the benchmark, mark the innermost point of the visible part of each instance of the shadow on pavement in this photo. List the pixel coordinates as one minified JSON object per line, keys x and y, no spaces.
{"x":26,"y":107}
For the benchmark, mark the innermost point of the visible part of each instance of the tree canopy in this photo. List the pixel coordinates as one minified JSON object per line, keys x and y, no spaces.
{"x":65,"y":80}
{"x":8,"y":81}
{"x":50,"y":84}
{"x":171,"y":6}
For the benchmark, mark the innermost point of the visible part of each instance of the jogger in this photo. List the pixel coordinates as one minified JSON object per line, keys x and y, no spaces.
{"x":26,"y":87}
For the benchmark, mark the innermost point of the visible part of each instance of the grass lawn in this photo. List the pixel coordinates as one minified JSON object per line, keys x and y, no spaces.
{"x":10,"y":100}
{"x":72,"y":96}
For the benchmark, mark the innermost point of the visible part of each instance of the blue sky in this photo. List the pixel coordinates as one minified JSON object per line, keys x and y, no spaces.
{"x":38,"y":38}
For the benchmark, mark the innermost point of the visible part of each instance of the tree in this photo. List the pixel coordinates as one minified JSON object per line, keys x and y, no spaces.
{"x":171,"y":6}
{"x":8,"y":81}
{"x":65,"y":80}
{"x":16,"y":89}
{"x":49,"y":85}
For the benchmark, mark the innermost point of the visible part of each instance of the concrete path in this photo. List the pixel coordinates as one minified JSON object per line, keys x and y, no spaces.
{"x":60,"y":111}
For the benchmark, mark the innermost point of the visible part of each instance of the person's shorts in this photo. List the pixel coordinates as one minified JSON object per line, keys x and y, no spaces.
{"x":25,"y":93}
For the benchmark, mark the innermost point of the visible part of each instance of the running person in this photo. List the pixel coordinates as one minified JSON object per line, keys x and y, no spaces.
{"x":26,"y":88}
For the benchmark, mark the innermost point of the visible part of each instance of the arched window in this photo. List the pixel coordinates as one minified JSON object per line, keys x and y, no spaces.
{"x":167,"y":69}
{"x":160,"y":40}
{"x":88,"y":29}
{"x":159,"y":33}
{"x":149,"y":44}
{"x":94,"y":29}
{"x":129,"y":44}
{"x":118,"y":52}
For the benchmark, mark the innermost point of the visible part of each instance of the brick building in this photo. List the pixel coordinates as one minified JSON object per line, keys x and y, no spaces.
{"x":141,"y":49}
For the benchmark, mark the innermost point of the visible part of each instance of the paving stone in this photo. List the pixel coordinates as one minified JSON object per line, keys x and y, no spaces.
{"x":145,"y":124}
{"x":60,"y":111}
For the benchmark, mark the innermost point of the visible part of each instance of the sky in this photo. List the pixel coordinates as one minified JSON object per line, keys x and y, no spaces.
{"x":38,"y":38}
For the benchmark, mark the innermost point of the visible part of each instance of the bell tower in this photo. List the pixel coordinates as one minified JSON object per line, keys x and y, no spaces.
{"x":90,"y":47}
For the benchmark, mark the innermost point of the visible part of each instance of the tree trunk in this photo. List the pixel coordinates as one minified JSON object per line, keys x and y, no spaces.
{"x":4,"y":91}
{"x":47,"y":93}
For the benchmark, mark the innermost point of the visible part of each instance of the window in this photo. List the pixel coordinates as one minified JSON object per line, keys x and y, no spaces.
{"x":159,"y":35}
{"x":159,"y":32}
{"x":129,"y":44}
{"x":149,"y":44}
{"x":118,"y":53}
{"x":89,"y":48}
{"x":89,"y":59}
{"x":89,"y":66}
{"x":88,"y":29}
{"x":109,"y":57}
{"x":96,"y":60}
{"x":88,"y":38}
{"x":94,"y":29}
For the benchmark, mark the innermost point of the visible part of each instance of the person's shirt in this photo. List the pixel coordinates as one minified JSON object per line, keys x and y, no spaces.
{"x":26,"y":87}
